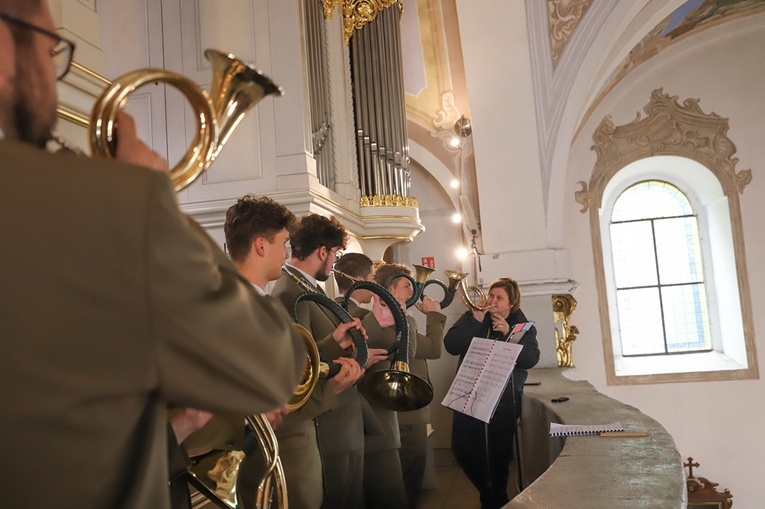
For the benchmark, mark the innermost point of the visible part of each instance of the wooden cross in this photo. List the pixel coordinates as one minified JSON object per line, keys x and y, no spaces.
{"x":690,"y":466}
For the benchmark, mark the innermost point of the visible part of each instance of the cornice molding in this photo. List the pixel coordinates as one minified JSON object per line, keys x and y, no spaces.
{"x":396,"y":224}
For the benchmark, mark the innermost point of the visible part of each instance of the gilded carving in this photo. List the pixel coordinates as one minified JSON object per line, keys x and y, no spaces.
{"x":357,"y":13}
{"x":563,"y":17}
{"x":389,"y":200}
{"x":669,"y":128}
{"x":329,"y":7}
{"x":565,"y":333}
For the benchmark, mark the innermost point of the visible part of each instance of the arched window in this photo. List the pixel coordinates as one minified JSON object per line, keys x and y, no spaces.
{"x":658,"y":272}
{"x":668,"y":247}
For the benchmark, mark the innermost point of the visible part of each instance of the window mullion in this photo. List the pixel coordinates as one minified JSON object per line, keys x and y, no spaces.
{"x":658,"y":280}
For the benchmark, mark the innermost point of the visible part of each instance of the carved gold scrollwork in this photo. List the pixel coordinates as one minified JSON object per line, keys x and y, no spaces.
{"x":565,"y":333}
{"x":329,"y":7}
{"x":357,"y":13}
{"x":390,"y":200}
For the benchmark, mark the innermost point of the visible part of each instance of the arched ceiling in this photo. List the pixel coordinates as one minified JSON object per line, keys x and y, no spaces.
{"x":579,"y":51}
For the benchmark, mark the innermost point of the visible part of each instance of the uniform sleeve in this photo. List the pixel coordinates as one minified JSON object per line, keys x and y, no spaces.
{"x":430,"y":344}
{"x":322,"y":400}
{"x":220,"y":346}
{"x":328,"y":347}
{"x":377,"y":337}
{"x":412,"y":338}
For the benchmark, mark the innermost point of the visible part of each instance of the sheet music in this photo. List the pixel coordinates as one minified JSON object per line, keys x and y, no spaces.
{"x":482,"y":377}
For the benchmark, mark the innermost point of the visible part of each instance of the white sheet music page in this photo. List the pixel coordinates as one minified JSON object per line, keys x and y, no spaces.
{"x":482,"y":377}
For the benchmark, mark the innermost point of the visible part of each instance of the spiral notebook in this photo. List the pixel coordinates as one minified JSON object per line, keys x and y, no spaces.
{"x":567,"y":430}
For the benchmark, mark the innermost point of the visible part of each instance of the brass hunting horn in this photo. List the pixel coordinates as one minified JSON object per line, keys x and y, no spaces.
{"x":395,"y":388}
{"x":420,"y":281}
{"x":216,"y":475}
{"x":236,"y":87}
{"x":472,"y":295}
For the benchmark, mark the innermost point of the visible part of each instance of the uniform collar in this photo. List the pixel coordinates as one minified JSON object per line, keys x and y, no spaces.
{"x":307,"y":277}
{"x":258,"y":289}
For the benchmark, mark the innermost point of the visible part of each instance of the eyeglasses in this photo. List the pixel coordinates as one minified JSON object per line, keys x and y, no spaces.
{"x":62,"y":52}
{"x":337,"y":252}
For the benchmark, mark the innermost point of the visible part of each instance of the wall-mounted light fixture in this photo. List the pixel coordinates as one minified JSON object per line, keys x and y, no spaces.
{"x":463,"y":129}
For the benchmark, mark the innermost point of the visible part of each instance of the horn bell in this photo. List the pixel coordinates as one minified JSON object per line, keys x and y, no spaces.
{"x":236,"y":87}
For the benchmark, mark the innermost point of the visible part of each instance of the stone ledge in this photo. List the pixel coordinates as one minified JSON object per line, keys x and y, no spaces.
{"x":590,"y":471}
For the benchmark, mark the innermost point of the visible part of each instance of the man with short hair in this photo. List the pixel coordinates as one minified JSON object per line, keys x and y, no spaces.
{"x":315,"y":247}
{"x":114,"y":305}
{"x":257,"y":232}
{"x":359,"y":267}
{"x":383,"y":479}
{"x":413,"y":424}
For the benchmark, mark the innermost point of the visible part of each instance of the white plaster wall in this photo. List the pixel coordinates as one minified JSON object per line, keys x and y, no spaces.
{"x":498,"y":72}
{"x":131,"y":38}
{"x":718,"y":423}
{"x":270,"y":141}
{"x":440,"y":239}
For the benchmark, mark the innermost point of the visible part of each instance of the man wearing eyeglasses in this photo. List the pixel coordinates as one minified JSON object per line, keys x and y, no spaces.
{"x":113,"y":306}
{"x":316,"y":245}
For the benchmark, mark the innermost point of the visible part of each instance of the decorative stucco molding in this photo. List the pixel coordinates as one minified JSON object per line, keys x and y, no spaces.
{"x":563,"y":17}
{"x":444,"y":121}
{"x":669,"y":128}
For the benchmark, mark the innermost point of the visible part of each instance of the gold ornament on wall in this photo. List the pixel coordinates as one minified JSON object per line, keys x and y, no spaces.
{"x":357,"y":13}
{"x":390,"y":200}
{"x":565,"y":333}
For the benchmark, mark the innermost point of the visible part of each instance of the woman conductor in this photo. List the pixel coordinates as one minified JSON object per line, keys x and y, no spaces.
{"x":469,"y":434}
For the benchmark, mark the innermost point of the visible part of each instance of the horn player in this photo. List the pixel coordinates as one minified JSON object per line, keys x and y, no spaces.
{"x":412,"y":425}
{"x":339,"y":427}
{"x":257,"y":231}
{"x":114,"y":304}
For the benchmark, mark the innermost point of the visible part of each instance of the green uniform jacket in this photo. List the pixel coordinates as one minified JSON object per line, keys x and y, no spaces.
{"x":115,"y":306}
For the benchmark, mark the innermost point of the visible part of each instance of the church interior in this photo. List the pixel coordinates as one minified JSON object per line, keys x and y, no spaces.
{"x":506,"y":139}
